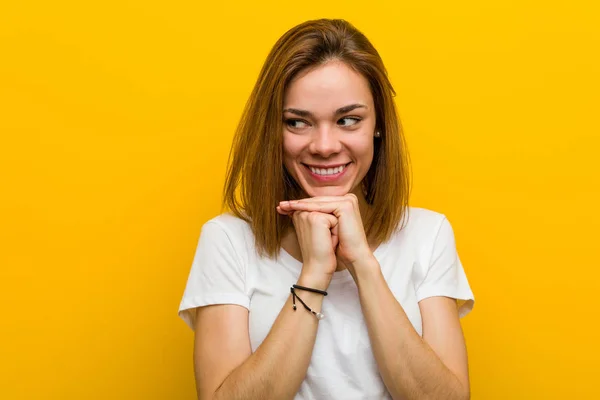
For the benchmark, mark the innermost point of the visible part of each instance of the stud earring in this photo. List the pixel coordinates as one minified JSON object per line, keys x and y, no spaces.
{"x":377,"y":134}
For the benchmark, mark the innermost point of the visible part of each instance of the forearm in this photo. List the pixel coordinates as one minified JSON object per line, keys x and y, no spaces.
{"x":409,"y":368}
{"x":279,"y":365}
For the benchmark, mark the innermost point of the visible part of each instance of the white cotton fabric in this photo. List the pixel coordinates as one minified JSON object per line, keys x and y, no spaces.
{"x":419,"y":261}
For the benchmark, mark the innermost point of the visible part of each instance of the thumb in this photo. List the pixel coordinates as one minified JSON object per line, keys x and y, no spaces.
{"x":333,"y":227}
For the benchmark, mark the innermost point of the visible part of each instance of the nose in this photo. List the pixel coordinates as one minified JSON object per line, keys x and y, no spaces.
{"x":325,"y":142}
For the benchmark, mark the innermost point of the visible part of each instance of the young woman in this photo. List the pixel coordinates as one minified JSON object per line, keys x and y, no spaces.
{"x":321,"y":282}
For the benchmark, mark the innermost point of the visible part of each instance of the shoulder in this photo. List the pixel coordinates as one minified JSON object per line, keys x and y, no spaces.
{"x":231,"y":227}
{"x":420,"y":228}
{"x":422,"y":221}
{"x":229,"y":223}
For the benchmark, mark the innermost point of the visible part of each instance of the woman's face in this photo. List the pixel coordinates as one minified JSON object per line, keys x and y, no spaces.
{"x":328,"y":129}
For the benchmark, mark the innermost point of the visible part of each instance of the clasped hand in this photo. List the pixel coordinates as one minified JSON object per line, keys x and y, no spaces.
{"x":336,"y":218}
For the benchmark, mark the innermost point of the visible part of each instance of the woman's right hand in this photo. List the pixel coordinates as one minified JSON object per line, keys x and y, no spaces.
{"x":318,"y":239}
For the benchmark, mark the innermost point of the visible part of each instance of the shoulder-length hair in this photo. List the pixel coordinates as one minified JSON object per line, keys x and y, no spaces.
{"x":256,"y":178}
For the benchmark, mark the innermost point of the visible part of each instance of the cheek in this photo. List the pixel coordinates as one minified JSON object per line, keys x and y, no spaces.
{"x":363,"y":149}
{"x":291,"y":150}
{"x":293,"y":144}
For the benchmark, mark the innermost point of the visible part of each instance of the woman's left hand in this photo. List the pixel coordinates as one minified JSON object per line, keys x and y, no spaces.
{"x":353,"y":248}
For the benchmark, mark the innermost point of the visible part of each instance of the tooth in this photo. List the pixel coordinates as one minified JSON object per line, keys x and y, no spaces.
{"x":329,"y":171}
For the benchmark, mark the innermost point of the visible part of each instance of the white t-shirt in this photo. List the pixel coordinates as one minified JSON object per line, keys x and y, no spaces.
{"x":419,"y":261}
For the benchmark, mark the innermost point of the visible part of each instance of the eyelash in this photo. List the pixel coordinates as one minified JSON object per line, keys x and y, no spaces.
{"x":290,"y":120}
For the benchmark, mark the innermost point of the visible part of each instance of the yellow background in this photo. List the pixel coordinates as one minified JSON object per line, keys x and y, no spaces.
{"x":116,"y":119}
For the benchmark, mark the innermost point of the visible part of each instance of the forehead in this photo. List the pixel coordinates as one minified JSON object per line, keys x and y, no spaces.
{"x":328,"y":87}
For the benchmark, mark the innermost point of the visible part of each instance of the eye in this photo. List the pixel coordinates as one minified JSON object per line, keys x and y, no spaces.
{"x":349,"y":121}
{"x":296,"y":123}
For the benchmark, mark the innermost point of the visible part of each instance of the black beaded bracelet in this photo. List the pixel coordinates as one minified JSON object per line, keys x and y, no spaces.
{"x":324,"y":293}
{"x":295,"y":296}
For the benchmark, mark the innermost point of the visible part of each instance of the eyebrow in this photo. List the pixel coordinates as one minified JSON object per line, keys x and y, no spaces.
{"x":339,"y":111}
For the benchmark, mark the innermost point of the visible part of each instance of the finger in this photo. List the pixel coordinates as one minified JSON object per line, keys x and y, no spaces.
{"x":284,"y":212}
{"x":335,"y":239}
{"x":333,"y":227}
{"x":287,"y":205}
{"x":350,"y":197}
{"x":333,"y":221}
{"x":323,"y":207}
{"x":319,"y":198}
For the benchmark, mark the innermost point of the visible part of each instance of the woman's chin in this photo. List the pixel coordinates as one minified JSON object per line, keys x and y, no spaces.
{"x":327,"y":191}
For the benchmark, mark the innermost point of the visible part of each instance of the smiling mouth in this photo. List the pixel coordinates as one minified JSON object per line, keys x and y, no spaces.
{"x":327,"y":172}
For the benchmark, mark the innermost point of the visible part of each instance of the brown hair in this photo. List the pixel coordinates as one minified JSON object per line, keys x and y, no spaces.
{"x":256,"y":178}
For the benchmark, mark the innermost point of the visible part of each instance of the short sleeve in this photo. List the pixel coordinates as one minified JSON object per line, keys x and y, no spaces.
{"x":217,"y":275}
{"x":445,"y":275}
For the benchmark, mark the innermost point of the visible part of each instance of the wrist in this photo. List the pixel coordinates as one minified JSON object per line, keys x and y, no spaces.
{"x":314,"y":280}
{"x":366,"y":269}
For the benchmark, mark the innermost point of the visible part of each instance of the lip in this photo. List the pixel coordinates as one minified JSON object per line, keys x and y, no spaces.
{"x":328,"y":178}
{"x":326,"y":166}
